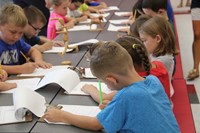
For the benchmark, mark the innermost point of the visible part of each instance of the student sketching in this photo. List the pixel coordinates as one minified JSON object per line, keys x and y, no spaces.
{"x":36,"y":20}
{"x":142,"y":64}
{"x":59,"y":12}
{"x":159,"y":8}
{"x":3,"y":85}
{"x":75,"y":13}
{"x":12,"y":24}
{"x":159,"y":39}
{"x":140,"y":104}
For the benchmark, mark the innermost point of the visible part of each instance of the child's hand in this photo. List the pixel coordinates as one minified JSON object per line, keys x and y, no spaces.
{"x":11,"y":85}
{"x":58,"y":43}
{"x":104,"y":104}
{"x":29,"y":67}
{"x":43,"y":64}
{"x":89,"y":89}
{"x":54,"y":115}
{"x":3,"y":75}
{"x":47,"y":46}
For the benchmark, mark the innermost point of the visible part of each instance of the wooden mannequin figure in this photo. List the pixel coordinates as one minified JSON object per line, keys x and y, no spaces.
{"x":66,"y":41}
{"x":97,"y":21}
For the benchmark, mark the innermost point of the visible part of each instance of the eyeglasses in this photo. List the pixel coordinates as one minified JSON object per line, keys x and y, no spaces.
{"x":36,"y":29}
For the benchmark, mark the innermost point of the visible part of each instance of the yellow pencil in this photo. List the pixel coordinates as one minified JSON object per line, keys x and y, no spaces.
{"x":27,"y":60}
{"x":0,"y":68}
{"x":134,"y":17}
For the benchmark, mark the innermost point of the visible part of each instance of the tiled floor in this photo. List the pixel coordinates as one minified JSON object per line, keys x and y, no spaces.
{"x":185,"y":34}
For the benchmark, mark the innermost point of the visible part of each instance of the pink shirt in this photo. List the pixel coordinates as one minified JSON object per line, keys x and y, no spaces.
{"x":51,"y":31}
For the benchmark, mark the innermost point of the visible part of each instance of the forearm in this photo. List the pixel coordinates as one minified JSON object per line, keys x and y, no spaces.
{"x":85,"y":122}
{"x":6,"y":86}
{"x":91,"y":9}
{"x":15,"y":69}
{"x":35,"y":55}
{"x":43,"y":40}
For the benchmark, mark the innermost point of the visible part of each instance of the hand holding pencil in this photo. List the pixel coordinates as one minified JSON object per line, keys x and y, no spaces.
{"x":27,"y":59}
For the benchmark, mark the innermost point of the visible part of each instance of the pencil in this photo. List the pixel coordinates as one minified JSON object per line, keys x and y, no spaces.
{"x":100,"y":92}
{"x":27,"y":60}
{"x":0,"y":68}
{"x":134,"y":16}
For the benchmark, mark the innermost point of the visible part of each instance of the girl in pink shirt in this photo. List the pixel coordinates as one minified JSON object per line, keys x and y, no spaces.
{"x":59,"y":12}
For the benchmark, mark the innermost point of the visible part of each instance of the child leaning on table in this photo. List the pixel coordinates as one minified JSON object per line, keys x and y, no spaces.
{"x":142,"y":65}
{"x":59,"y":11}
{"x":12,"y":23}
{"x":140,"y":104}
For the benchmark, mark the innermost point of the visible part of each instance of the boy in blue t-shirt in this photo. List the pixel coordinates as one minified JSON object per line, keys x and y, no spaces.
{"x":12,"y":23}
{"x":140,"y":104}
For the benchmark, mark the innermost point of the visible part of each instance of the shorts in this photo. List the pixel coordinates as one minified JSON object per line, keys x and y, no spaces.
{"x":195,"y":13}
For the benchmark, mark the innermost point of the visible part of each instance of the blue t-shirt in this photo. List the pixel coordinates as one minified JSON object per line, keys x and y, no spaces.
{"x":32,"y":41}
{"x":142,"y":107}
{"x":10,"y":54}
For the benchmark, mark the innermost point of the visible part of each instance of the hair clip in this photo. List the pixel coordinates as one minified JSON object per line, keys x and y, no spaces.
{"x":133,"y":46}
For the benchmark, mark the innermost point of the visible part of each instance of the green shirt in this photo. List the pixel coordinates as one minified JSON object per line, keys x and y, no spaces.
{"x":83,"y":8}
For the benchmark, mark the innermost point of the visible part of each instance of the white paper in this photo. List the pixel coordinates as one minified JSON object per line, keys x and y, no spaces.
{"x":57,"y":50}
{"x":7,"y":115}
{"x":29,"y":83}
{"x":29,"y":99}
{"x":112,"y":27}
{"x":66,"y":78}
{"x":121,"y":21}
{"x":83,"y":27}
{"x":97,"y":15}
{"x":88,"y":73}
{"x":121,"y":13}
{"x":90,"y":111}
{"x":42,"y":71}
{"x":89,"y":20}
{"x":110,"y":8}
{"x":77,"y":89}
{"x":85,"y":42}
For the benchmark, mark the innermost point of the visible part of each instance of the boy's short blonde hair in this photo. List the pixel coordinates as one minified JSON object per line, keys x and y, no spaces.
{"x":110,"y":58}
{"x":14,"y":14}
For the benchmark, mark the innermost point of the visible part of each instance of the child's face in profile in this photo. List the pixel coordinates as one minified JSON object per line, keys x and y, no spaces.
{"x":10,"y":33}
{"x":62,"y":9}
{"x":150,"y":42}
{"x":32,"y":29}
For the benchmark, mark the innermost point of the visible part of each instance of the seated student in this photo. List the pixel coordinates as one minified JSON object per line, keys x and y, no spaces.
{"x":158,"y":8}
{"x":59,"y":11}
{"x":3,"y":85}
{"x":74,"y":13}
{"x":142,"y":64}
{"x":12,"y":23}
{"x":140,"y":104}
{"x":36,"y":20}
{"x":159,"y":39}
{"x":96,"y":4}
